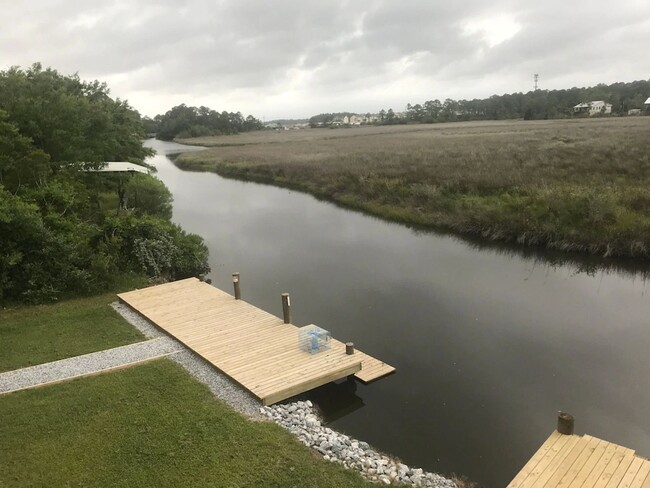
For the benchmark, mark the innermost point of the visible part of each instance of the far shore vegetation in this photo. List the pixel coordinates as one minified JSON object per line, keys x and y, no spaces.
{"x":574,"y":185}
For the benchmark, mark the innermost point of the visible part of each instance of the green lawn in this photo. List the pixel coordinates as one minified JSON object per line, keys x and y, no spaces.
{"x":151,"y":425}
{"x":32,"y":335}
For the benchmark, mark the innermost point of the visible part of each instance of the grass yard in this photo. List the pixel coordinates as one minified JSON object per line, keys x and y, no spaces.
{"x":32,"y":335}
{"x":150,"y":425}
{"x":578,"y":185}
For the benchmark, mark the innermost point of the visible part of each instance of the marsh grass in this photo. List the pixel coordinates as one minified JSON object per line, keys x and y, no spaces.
{"x":575,"y":185}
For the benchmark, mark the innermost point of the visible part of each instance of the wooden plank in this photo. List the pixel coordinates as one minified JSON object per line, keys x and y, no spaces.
{"x":583,"y":462}
{"x":592,"y":445}
{"x":591,"y":464}
{"x":555,"y":464}
{"x":371,"y":369}
{"x":608,"y":472}
{"x":275,"y":377}
{"x":380,"y":371}
{"x":533,"y":461}
{"x":298,"y":373}
{"x":642,"y":479}
{"x":253,"y":347}
{"x":569,"y":460}
{"x":288,"y":392}
{"x":599,"y":467}
{"x":631,"y":473}
{"x":620,"y":472}
{"x":546,"y":461}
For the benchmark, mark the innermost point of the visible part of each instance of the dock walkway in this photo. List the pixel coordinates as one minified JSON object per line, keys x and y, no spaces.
{"x":574,"y":461}
{"x":253,"y":347}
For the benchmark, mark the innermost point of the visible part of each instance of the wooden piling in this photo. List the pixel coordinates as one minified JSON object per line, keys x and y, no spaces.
{"x":349,"y":348}
{"x":286,"y":308}
{"x":565,"y":423}
{"x":235,"y":282}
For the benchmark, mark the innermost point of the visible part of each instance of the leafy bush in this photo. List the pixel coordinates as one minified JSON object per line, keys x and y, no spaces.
{"x":157,"y":247}
{"x":56,"y":235}
{"x":148,"y":195}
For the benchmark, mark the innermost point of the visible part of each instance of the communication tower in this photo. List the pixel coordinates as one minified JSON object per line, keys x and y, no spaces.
{"x":536,"y":77}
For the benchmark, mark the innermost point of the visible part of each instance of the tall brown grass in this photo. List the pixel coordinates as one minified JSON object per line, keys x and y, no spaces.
{"x":574,"y":185}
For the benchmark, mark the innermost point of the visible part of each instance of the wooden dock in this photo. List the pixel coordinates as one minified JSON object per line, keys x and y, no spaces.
{"x":253,"y":347}
{"x":572,"y":461}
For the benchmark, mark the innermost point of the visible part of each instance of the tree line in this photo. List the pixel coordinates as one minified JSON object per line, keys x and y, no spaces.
{"x":62,"y":229}
{"x":534,"y":105}
{"x":183,"y":122}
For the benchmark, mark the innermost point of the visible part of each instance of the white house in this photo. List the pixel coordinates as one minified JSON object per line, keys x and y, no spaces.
{"x":647,"y":104}
{"x":273,"y":125}
{"x":593,"y":108}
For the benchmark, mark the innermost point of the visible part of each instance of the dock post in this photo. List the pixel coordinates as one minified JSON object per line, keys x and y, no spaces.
{"x":565,"y":423}
{"x":286,"y":308}
{"x":235,"y":282}
{"x":349,"y":348}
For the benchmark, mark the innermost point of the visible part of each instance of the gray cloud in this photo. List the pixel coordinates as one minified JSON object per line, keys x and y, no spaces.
{"x":295,"y":58}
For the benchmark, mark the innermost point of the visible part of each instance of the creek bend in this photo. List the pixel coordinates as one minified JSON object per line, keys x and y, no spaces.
{"x":488,"y":345}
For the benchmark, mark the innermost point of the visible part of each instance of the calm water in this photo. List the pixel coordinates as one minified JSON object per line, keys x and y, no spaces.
{"x":488,"y":344}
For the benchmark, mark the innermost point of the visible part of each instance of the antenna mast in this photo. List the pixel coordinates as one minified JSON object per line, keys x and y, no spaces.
{"x":536,"y":77}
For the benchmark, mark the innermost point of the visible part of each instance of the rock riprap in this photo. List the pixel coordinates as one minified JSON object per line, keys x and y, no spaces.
{"x":301,"y":419}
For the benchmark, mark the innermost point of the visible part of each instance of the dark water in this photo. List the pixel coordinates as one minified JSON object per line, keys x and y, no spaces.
{"x":488,"y":344}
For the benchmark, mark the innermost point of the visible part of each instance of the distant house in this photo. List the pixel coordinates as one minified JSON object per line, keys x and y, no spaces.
{"x":634,"y":111}
{"x":593,"y":108}
{"x":647,"y":104}
{"x":273,"y":125}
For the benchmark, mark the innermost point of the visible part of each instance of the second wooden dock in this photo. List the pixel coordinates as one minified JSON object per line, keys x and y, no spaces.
{"x":574,"y":461}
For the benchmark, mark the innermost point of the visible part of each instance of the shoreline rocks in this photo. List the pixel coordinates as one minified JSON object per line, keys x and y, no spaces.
{"x":301,"y":420}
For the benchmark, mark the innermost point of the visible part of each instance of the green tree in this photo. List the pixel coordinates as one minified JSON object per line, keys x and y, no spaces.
{"x":58,"y":236}
{"x":20,"y":163}
{"x":71,"y":120}
{"x":148,"y":195}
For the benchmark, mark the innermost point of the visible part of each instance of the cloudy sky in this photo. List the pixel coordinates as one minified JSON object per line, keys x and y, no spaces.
{"x":286,"y":58}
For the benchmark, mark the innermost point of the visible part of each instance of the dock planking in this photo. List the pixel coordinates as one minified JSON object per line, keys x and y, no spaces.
{"x":574,"y":461}
{"x":253,"y":347}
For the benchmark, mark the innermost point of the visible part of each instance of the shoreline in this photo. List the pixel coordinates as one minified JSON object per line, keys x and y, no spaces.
{"x":487,"y":237}
{"x":299,"y":418}
{"x":574,"y":186}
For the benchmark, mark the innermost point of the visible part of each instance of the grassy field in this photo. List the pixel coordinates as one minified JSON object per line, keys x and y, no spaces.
{"x":39,"y":334}
{"x":579,"y":185}
{"x":151,"y":425}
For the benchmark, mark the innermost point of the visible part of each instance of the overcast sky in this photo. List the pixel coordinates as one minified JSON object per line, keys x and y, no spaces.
{"x":297,"y":58}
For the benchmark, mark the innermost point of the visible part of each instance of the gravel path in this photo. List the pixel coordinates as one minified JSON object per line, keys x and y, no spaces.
{"x":95,"y":362}
{"x":219,"y":384}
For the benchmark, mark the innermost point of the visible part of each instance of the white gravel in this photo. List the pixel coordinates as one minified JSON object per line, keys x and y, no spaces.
{"x":95,"y":362}
{"x":219,"y":384}
{"x":301,"y":419}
